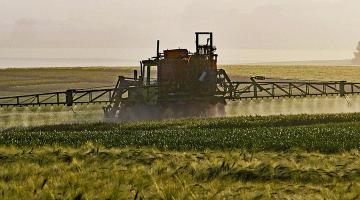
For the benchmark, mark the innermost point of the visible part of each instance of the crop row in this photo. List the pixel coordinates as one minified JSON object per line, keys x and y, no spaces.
{"x":325,"y":133}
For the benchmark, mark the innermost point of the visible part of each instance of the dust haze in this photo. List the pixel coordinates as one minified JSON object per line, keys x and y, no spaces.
{"x":36,"y":116}
{"x":127,"y":24}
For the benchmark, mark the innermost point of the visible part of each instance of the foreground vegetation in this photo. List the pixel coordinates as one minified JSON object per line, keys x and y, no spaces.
{"x":93,"y":172}
{"x":291,"y":157}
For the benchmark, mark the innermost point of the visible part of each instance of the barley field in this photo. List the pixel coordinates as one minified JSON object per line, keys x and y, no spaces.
{"x":95,"y":172}
{"x":274,"y":157}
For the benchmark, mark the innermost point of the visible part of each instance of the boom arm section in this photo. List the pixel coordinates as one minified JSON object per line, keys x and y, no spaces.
{"x":68,"y":98}
{"x":257,"y":88}
{"x":236,"y":90}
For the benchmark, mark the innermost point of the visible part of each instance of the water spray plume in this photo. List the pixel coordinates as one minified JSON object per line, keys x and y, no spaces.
{"x":317,"y":105}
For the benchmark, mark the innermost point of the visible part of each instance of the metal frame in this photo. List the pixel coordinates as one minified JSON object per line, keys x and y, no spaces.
{"x":69,"y":98}
{"x":277,"y":89}
{"x":229,"y":90}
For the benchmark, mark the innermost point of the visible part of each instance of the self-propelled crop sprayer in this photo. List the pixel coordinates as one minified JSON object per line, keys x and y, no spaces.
{"x":177,"y":83}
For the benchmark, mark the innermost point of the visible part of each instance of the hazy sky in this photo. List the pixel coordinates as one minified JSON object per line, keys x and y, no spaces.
{"x":237,"y":24}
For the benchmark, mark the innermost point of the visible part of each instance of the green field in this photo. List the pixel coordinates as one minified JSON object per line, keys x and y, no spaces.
{"x":324,"y":133}
{"x":77,"y":156}
{"x":294,"y":157}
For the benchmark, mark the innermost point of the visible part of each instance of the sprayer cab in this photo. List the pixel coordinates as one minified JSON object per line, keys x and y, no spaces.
{"x":175,"y":81}
{"x":183,"y":72}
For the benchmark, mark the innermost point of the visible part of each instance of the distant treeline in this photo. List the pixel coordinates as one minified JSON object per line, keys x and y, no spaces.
{"x":356,"y":59}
